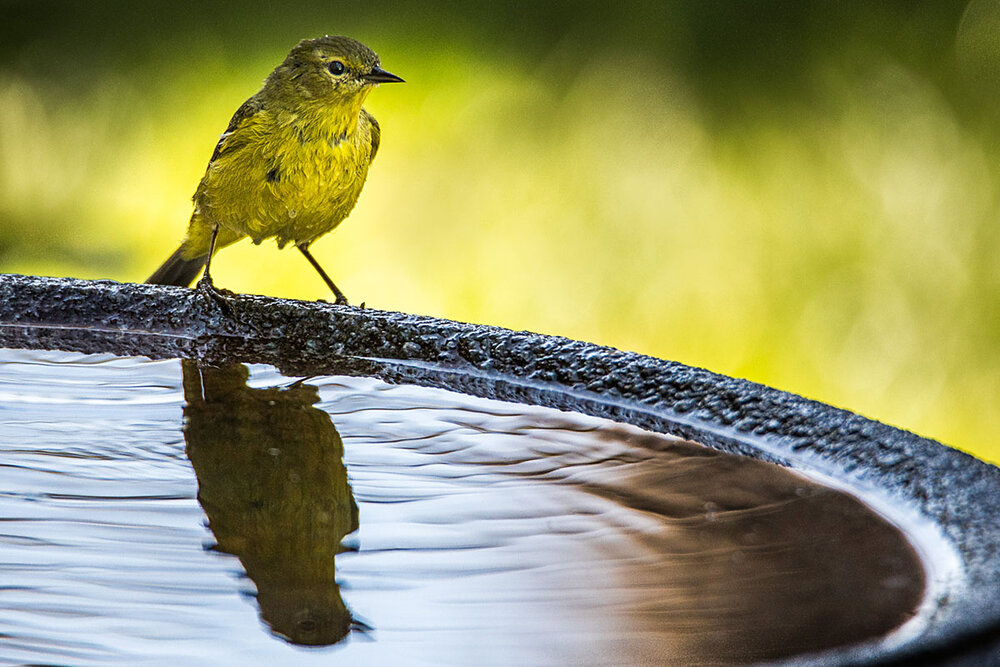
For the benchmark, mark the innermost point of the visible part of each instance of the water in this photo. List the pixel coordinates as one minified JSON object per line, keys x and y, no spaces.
{"x":161,"y":513}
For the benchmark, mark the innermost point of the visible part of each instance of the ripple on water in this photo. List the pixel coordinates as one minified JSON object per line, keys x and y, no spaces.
{"x":158,"y":513}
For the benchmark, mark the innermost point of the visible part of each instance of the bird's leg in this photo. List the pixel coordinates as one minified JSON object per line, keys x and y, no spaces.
{"x":341,"y":299}
{"x":206,"y":278}
{"x":205,"y":285}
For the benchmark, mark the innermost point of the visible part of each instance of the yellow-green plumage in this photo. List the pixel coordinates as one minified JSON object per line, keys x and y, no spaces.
{"x":293,"y":161}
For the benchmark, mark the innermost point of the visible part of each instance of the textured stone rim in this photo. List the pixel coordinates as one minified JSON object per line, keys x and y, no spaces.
{"x":959,"y":494}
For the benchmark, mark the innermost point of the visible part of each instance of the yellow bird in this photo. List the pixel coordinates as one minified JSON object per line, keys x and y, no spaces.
{"x":292,"y":162}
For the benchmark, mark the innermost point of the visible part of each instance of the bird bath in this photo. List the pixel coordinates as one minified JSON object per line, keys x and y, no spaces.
{"x":312,"y":480}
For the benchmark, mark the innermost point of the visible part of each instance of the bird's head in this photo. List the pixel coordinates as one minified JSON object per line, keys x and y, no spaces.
{"x":329,"y":69}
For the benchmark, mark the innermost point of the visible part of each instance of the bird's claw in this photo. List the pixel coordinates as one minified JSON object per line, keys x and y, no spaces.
{"x":207,"y":289}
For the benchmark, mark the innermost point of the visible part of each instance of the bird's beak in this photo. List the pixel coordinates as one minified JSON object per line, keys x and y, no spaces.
{"x":379,"y":75}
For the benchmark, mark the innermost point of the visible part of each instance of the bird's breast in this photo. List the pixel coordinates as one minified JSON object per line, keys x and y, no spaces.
{"x":290,"y":183}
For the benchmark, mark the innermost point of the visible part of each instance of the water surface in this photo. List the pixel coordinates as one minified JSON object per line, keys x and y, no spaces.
{"x":166,"y":513}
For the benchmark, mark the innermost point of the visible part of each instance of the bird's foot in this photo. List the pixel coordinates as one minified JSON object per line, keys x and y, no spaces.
{"x":207,"y":289}
{"x":340,"y":301}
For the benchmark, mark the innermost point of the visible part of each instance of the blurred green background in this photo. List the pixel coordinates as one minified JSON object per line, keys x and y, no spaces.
{"x":800,"y":193}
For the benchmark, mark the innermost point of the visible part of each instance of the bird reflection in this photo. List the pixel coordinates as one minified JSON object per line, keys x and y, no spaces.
{"x":272,"y":481}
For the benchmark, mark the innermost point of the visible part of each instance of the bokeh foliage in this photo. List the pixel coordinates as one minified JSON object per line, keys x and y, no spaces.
{"x":802,"y":193}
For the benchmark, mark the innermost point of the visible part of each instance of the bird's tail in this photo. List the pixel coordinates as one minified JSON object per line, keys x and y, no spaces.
{"x":177,"y":270}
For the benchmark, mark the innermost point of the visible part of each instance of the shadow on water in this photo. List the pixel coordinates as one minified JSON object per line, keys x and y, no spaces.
{"x":271,"y":479}
{"x":755,"y":562}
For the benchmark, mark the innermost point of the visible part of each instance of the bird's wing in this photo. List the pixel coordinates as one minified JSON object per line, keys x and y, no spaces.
{"x":231,"y":139}
{"x":246,"y":111}
{"x":376,"y":133}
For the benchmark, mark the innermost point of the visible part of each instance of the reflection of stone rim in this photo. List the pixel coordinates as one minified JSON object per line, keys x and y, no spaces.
{"x":960,"y":494}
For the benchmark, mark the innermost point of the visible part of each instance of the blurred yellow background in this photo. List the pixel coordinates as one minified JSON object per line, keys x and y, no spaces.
{"x":804,"y":194}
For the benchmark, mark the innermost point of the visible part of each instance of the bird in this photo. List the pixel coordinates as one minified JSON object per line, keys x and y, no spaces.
{"x":292,"y":162}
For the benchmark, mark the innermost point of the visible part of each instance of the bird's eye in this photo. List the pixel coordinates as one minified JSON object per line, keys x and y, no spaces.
{"x":336,"y":68}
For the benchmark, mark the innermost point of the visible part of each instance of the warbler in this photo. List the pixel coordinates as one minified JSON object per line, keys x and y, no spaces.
{"x":291,"y":164}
